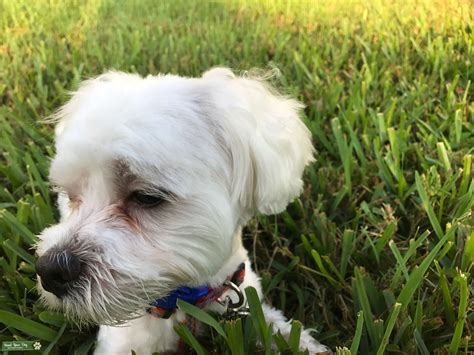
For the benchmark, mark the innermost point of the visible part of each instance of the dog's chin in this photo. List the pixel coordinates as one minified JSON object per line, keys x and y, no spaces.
{"x":102,"y":307}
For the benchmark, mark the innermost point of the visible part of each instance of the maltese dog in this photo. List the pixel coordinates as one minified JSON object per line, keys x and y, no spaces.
{"x":156,"y":177}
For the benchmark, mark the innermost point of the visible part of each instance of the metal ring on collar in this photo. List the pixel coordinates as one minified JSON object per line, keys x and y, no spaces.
{"x":228,"y":301}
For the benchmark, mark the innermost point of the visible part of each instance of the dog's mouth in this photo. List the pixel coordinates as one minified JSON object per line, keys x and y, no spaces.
{"x":98,"y":294}
{"x":95,"y":301}
{"x":75,"y":278}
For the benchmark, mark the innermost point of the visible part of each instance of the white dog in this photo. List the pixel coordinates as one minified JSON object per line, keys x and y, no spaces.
{"x":156,"y":178}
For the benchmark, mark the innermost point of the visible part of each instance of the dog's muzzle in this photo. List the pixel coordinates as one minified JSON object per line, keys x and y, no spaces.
{"x":58,"y":271}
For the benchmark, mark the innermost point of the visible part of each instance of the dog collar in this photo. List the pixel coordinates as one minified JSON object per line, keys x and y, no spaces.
{"x":199,"y":296}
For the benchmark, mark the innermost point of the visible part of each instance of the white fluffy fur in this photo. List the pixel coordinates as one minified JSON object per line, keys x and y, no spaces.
{"x":226,"y":147}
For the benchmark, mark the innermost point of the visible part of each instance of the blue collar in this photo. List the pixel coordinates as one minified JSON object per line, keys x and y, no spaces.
{"x":187,"y":294}
{"x":199,"y":296}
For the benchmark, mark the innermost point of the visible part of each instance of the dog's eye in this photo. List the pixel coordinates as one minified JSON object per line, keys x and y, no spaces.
{"x":145,"y":199}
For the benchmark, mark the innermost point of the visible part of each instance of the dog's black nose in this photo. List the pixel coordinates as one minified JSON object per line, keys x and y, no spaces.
{"x":58,"y":270}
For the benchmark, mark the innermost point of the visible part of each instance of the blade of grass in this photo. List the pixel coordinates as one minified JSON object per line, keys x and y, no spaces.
{"x":347,"y":247}
{"x":389,"y":328}
{"x":294,"y":338}
{"x":55,"y":340}
{"x":447,"y":300}
{"x":414,"y":245}
{"x":256,"y":313}
{"x":443,"y":157}
{"x":345,"y":152}
{"x":200,"y":315}
{"x":398,"y":257}
{"x":281,"y":342}
{"x":27,"y":326}
{"x":358,"y":333}
{"x":19,"y":251}
{"x":235,"y":336}
{"x":85,"y":347}
{"x":420,"y":343}
{"x":15,"y":225}
{"x":416,"y":277}
{"x":189,"y":339}
{"x":324,"y":271}
{"x":468,"y":255}
{"x":365,"y":305}
{"x":427,"y":205}
{"x":463,"y":297}
{"x":386,"y":236}
{"x":466,"y":176}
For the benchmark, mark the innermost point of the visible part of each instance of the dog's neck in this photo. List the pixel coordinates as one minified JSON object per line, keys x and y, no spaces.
{"x":233,"y":271}
{"x":238,"y":256}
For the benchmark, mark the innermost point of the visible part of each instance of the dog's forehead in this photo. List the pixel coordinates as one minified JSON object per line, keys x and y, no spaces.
{"x":157,"y":126}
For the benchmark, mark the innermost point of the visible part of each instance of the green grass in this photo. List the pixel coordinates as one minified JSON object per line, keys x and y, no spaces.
{"x":377,"y":254}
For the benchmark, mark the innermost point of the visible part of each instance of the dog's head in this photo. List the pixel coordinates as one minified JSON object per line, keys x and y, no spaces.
{"x":156,"y":176}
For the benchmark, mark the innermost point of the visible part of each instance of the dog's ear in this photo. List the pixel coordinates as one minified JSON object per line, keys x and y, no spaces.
{"x":268,"y":143}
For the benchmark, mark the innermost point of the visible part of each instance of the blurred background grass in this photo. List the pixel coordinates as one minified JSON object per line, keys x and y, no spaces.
{"x":384,"y":225}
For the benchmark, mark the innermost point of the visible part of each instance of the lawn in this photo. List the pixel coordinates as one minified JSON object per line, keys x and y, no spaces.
{"x":377,"y":253}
